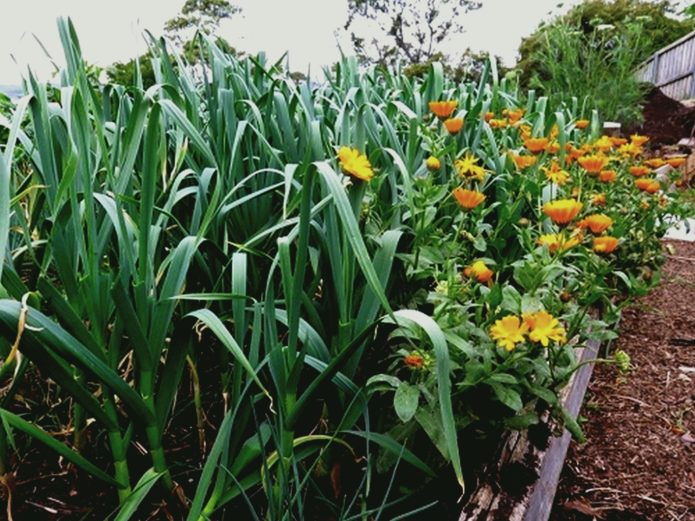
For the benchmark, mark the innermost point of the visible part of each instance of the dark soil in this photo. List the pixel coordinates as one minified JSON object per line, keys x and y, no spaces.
{"x":666,"y":121}
{"x":639,"y":461}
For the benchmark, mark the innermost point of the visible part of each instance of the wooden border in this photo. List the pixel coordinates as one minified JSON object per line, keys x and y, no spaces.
{"x":521,"y":485}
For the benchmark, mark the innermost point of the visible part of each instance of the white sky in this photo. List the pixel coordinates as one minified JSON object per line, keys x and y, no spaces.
{"x":110,"y":30}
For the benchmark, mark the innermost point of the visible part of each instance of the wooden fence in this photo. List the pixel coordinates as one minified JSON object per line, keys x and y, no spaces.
{"x":672,"y":68}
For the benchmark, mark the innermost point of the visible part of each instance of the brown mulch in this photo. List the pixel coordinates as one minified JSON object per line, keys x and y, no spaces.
{"x":639,"y":461}
{"x":666,"y":120}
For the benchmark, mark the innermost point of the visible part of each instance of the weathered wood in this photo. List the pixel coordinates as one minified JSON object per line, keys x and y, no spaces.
{"x":521,"y":485}
{"x":672,"y":68}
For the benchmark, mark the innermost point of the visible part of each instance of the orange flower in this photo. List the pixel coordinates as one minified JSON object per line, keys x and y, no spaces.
{"x":453,"y":125}
{"x":524,"y":131}
{"x":639,"y":170}
{"x":599,"y":200}
{"x":523,"y":162}
{"x":557,"y":241}
{"x":553,"y":147}
{"x":605,"y":244}
{"x":443,"y":109}
{"x":581,"y":124}
{"x":433,"y":164}
{"x":597,"y":223}
{"x":468,"y":199}
{"x":414,"y":361}
{"x":562,"y":211}
{"x":489,"y":116}
{"x":607,"y":176}
{"x":618,"y":141}
{"x":651,"y":186}
{"x":655,"y":162}
{"x":676,"y":161}
{"x":593,"y":164}
{"x":498,"y":123}
{"x":536,"y":145}
{"x":513,"y":115}
{"x":638,"y":140}
{"x":479,"y":271}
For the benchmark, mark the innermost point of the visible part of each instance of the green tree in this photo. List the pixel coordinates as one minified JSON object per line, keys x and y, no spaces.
{"x":409,"y":30}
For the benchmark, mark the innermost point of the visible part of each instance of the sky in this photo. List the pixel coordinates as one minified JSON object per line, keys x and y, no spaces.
{"x":111,"y":30}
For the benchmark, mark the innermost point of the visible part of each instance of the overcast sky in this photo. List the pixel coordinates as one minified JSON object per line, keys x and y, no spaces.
{"x":110,"y":30}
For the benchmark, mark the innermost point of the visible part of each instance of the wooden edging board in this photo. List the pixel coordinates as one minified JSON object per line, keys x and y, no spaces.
{"x":521,"y":485}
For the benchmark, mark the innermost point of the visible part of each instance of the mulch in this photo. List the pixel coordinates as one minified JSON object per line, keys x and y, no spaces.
{"x":666,"y":121}
{"x":639,"y":460}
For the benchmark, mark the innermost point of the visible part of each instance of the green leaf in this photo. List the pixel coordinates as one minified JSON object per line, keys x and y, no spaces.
{"x":143,"y":487}
{"x":405,"y":401}
{"x":507,"y":396}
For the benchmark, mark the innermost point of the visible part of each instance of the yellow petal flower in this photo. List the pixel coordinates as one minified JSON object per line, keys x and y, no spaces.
{"x":562,"y":211}
{"x":508,"y":331}
{"x":544,"y":328}
{"x":468,"y":167}
{"x":355,"y":164}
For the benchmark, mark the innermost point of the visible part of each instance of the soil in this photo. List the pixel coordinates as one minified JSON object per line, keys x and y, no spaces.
{"x":666,"y":121}
{"x":639,"y":460}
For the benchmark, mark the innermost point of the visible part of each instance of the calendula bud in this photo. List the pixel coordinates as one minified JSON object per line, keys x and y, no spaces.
{"x":433,"y":164}
{"x":565,"y":296}
{"x":523,"y":222}
{"x":622,"y":361}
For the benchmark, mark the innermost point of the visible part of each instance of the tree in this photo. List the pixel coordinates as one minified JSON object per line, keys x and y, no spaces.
{"x":657,"y":20}
{"x":410,"y":30}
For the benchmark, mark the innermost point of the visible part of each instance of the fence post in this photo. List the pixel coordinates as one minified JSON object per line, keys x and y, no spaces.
{"x":655,"y":68}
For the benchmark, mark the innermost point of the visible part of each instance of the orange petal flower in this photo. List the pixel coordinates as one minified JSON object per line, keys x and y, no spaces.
{"x":581,"y":124}
{"x":655,"y":162}
{"x":562,"y":211}
{"x":523,"y":162}
{"x":413,"y":360}
{"x":599,"y":200}
{"x":498,"y":123}
{"x":553,"y":147}
{"x":557,"y":241}
{"x":479,"y":271}
{"x":536,"y":145}
{"x":605,"y":244}
{"x":676,"y":161}
{"x":638,"y":140}
{"x":618,"y":141}
{"x":597,"y":223}
{"x":468,"y":199}
{"x":453,"y":125}
{"x":513,"y":115}
{"x":443,"y":109}
{"x":640,"y":170}
{"x":607,"y":176}
{"x":651,"y":186}
{"x":593,"y":164}
{"x":489,"y":116}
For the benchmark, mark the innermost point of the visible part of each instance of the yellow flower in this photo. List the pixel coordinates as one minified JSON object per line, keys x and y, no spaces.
{"x":552,"y":148}
{"x":593,"y":164}
{"x":599,"y":200}
{"x":558,"y":241}
{"x":544,"y":328}
{"x":355,"y":164}
{"x":605,"y":244}
{"x":639,"y":140}
{"x":655,"y":162}
{"x":453,"y":125}
{"x":443,"y":109}
{"x":562,"y":211}
{"x":508,"y":331}
{"x":603,"y":144}
{"x":480,"y":271}
{"x":581,"y":124}
{"x":468,"y":167}
{"x":468,"y":199}
{"x":607,"y":176}
{"x":498,"y":123}
{"x":536,"y":145}
{"x":630,"y":149}
{"x":555,"y":174}
{"x":597,"y":223}
{"x":433,"y":163}
{"x":524,"y":130}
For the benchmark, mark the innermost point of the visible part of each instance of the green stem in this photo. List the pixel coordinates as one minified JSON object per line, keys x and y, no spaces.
{"x":154,"y":435}
{"x":119,"y":452}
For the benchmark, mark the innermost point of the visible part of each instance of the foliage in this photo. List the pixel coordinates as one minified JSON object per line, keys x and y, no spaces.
{"x":283,"y":266}
{"x":409,"y":30}
{"x":470,"y":66}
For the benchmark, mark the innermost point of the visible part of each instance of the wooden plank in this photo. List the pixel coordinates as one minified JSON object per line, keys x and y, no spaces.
{"x":520,"y":485}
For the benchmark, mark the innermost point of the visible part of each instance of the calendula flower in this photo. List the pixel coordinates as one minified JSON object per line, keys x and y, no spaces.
{"x":414,"y":361}
{"x":552,"y":148}
{"x":513,"y":115}
{"x":355,"y":164}
{"x":638,"y":140}
{"x":468,"y":199}
{"x":443,"y":109}
{"x":555,"y":174}
{"x":607,"y":176}
{"x":651,"y":186}
{"x":581,"y":124}
{"x":676,"y":161}
{"x":498,"y":123}
{"x":603,"y":144}
{"x":453,"y":125}
{"x":479,"y":271}
{"x":543,"y":328}
{"x":433,"y":163}
{"x":468,"y":167}
{"x":593,"y":164}
{"x":655,"y":162}
{"x":508,"y":331}
{"x":523,"y":162}
{"x":524,"y":131}
{"x":558,"y":242}
{"x":605,"y":244}
{"x":598,"y":200}
{"x":630,"y":149}
{"x":618,"y":141}
{"x":640,"y":170}
{"x":536,"y":145}
{"x":562,"y":211}
{"x":597,"y":223}
{"x":554,"y":131}
{"x":489,"y":115}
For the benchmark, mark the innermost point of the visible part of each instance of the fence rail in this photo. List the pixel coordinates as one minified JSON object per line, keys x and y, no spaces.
{"x":672,"y":68}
